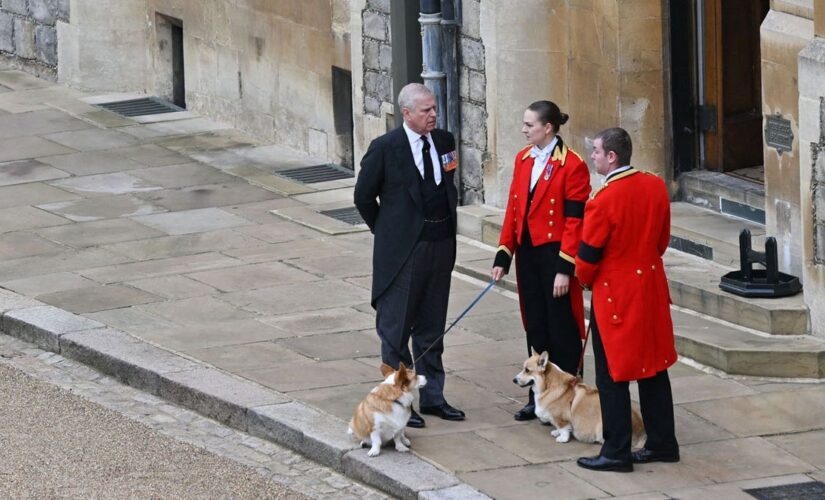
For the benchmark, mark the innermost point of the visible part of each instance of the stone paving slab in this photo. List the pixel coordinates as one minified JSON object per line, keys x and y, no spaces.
{"x":105,"y":184}
{"x":32,"y":193}
{"x":23,"y":148}
{"x":97,"y":298}
{"x":159,"y":267}
{"x":26,"y":171}
{"x":132,"y":320}
{"x":532,"y":481}
{"x":176,"y":176}
{"x":92,"y":139}
{"x":85,"y":210}
{"x":208,"y":195}
{"x":47,"y":283}
{"x":67,"y":260}
{"x":44,"y":325}
{"x":98,"y":232}
{"x":186,"y":244}
{"x":251,"y":276}
{"x":192,"y":221}
{"x":41,"y":123}
{"x":23,"y":244}
{"x":255,"y":351}
{"x":17,"y":218}
{"x":92,"y":163}
{"x":173,"y":287}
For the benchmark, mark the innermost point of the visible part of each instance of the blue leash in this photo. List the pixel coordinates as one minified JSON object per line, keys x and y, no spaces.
{"x":472,"y":305}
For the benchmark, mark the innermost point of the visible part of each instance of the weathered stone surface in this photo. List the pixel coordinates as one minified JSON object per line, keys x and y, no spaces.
{"x":379,"y":5}
{"x":43,"y":325}
{"x":16,"y":6}
{"x":6,"y":32}
{"x":375,"y":25}
{"x":45,"y":38}
{"x":319,"y":436}
{"x":24,"y":38}
{"x":460,"y":492}
{"x":10,"y":300}
{"x":478,"y":86}
{"x":472,"y":53}
{"x":120,"y":355}
{"x":43,"y":11}
{"x":217,"y":395}
{"x":403,"y":475}
{"x":379,"y":86}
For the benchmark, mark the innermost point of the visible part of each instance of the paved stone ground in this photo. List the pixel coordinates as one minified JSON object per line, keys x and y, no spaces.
{"x":79,"y":442}
{"x":166,"y":231}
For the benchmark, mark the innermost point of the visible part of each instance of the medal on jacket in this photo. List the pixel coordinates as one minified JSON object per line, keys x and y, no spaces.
{"x":548,"y":169}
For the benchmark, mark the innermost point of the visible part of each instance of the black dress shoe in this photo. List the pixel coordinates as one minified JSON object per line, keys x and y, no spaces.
{"x":526,"y":413}
{"x":602,"y":463}
{"x":444,"y":411}
{"x":416,"y":421}
{"x":644,"y":456}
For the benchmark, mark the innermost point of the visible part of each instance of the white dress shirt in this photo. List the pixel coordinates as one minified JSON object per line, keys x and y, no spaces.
{"x":415,"y":144}
{"x":540,"y":161}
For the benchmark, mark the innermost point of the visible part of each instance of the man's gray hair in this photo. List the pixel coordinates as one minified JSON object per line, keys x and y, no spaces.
{"x":411,"y":93}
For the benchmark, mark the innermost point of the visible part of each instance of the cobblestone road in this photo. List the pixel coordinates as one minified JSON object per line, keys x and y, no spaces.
{"x":69,"y":431}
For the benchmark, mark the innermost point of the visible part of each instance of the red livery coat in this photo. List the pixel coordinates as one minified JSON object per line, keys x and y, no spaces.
{"x":626,"y":232}
{"x":555,"y":215}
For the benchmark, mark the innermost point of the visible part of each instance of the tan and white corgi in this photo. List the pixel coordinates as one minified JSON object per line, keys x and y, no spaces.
{"x":382,"y":415}
{"x":570,"y":405}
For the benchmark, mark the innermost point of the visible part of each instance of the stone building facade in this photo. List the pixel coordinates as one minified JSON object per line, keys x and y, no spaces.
{"x":266,"y":67}
{"x":28,"y":34}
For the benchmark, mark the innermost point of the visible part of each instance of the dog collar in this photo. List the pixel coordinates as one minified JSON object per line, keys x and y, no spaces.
{"x":399,"y":403}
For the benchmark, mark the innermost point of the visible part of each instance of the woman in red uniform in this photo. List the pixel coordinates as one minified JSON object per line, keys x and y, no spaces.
{"x":542,"y":227}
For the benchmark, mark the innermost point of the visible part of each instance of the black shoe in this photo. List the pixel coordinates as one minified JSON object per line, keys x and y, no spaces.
{"x":602,"y":463}
{"x":644,"y":456}
{"x":526,"y":413}
{"x":416,"y":421}
{"x":444,"y":411}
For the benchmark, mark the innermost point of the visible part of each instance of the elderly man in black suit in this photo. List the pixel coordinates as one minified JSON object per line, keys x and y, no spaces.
{"x":406,"y":194}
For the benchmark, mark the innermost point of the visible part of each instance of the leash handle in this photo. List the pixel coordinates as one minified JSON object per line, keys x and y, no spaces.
{"x":579,"y":373}
{"x":463,"y":313}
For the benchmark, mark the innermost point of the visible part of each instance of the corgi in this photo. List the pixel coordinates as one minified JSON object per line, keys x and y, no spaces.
{"x":382,"y":415}
{"x":570,"y":405}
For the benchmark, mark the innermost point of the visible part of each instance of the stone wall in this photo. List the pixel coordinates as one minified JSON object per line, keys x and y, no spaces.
{"x":377,"y":53}
{"x":28,"y":34}
{"x":473,"y":94}
{"x":783,"y":34}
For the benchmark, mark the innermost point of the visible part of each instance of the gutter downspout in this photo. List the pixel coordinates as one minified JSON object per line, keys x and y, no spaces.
{"x":450,"y":12}
{"x":433,"y":71}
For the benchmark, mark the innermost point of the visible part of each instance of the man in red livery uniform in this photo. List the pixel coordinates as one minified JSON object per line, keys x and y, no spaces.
{"x":626,"y":232}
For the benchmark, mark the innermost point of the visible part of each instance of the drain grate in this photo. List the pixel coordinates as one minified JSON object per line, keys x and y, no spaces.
{"x":349,"y":215}
{"x":141,"y":107}
{"x":317,"y":173}
{"x":797,"y":491}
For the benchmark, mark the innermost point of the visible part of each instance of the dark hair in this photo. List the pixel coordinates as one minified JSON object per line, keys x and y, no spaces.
{"x":617,"y":140}
{"x":548,"y":112}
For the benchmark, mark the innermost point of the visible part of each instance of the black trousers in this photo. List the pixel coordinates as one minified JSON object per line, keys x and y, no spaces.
{"x":548,"y":321}
{"x":415,"y":306}
{"x":655,"y":399}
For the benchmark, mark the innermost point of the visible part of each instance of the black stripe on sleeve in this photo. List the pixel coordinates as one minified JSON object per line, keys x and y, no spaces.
{"x":589,"y":254}
{"x":573,"y":208}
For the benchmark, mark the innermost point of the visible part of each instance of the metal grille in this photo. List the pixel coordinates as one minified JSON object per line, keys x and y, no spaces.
{"x":317,"y":173}
{"x":349,"y":215}
{"x":141,"y":107}
{"x":798,"y":491}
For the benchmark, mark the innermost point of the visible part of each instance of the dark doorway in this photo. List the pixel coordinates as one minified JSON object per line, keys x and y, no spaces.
{"x":733,"y":83}
{"x":342,"y":114}
{"x":683,"y":85}
{"x":170,"y":65}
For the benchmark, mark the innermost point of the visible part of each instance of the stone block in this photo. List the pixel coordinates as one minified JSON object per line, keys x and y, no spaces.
{"x":478,"y":86}
{"x":6,"y":32}
{"x":472,"y":53}
{"x":379,"y":5}
{"x":379,"y":86}
{"x":819,"y":165}
{"x":375,"y":25}
{"x":372,"y":106}
{"x":124,"y":357}
{"x":460,"y":492}
{"x":371,"y":54}
{"x":471,"y":171}
{"x":24,"y":38}
{"x":45,"y":39}
{"x":318,"y":436}
{"x":10,"y":300}
{"x":62,"y":10}
{"x":16,"y":6}
{"x":812,"y":68}
{"x":464,"y":83}
{"x":402,"y":475}
{"x":385,"y":57}
{"x":44,"y":325}
{"x":474,"y":125}
{"x":216,"y":395}
{"x":43,"y":11}
{"x":470,"y":25}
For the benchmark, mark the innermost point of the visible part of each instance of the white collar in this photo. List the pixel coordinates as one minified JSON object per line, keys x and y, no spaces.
{"x":414,"y":136}
{"x":617,"y":171}
{"x":545,"y":151}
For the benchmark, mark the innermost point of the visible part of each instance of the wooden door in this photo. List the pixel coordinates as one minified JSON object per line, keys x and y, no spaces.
{"x":732,"y":111}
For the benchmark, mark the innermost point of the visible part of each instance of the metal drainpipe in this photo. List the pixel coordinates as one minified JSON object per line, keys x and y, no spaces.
{"x":449,"y":22}
{"x":433,"y":71}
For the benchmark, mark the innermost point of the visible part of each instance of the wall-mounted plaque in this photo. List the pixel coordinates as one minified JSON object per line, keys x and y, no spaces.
{"x":778,"y":133}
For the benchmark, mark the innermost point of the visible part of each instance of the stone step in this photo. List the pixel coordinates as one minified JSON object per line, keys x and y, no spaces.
{"x":711,"y":235}
{"x":724,"y":194}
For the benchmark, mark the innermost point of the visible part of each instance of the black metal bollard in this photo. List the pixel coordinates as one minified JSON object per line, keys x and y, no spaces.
{"x":767,"y":283}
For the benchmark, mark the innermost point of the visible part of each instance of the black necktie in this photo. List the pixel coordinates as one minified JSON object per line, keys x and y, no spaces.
{"x":428,"y":161}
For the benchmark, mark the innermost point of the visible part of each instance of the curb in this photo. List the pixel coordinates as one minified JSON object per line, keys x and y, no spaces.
{"x":238,"y":403}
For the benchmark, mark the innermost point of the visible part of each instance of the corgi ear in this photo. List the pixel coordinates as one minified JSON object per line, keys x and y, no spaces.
{"x":535,"y":352}
{"x":543,"y":360}
{"x":402,"y":377}
{"x":401,"y":366}
{"x":386,"y":370}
